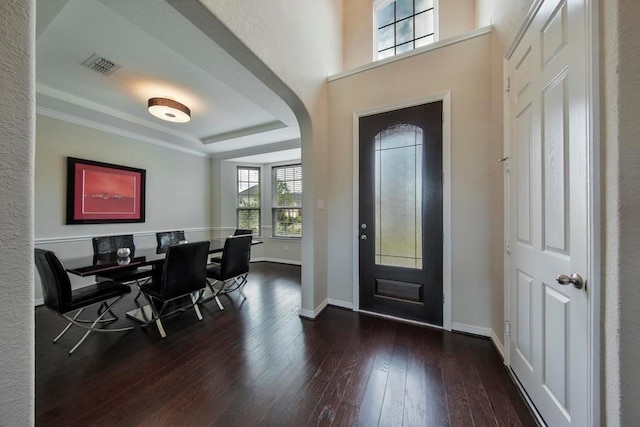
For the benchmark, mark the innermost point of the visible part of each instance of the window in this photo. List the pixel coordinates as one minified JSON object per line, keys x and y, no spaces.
{"x":287,"y":201}
{"x":403,"y":25}
{"x":249,"y":199}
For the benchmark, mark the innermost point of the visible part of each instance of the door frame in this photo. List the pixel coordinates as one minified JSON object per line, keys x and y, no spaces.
{"x":594,"y":310}
{"x":445,"y":97}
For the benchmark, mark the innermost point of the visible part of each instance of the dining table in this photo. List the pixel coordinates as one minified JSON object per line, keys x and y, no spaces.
{"x":94,"y":265}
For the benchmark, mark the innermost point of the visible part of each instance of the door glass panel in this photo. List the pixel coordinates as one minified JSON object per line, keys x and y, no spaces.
{"x":398,"y":196}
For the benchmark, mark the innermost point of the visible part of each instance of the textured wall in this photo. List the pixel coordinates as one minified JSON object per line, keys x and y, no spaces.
{"x":473,"y":154}
{"x":17,"y":53}
{"x":620,"y":68}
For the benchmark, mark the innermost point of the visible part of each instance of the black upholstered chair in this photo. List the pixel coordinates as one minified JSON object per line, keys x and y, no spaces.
{"x":166,"y":238}
{"x":233,"y":268}
{"x":237,"y":232}
{"x":242,"y":232}
{"x":59,"y":298}
{"x":107,"y":245}
{"x":184,"y":273}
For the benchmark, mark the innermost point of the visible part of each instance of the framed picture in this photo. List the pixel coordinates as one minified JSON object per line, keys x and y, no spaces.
{"x":101,"y":193}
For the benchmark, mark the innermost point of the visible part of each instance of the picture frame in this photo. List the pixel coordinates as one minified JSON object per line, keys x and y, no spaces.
{"x":104,"y":193}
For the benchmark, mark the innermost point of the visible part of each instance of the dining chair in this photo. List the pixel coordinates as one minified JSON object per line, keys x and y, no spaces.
{"x":233,"y":268}
{"x":61,"y":299}
{"x":184,"y":273}
{"x":242,"y":231}
{"x":166,"y":238}
{"x":237,"y":232}
{"x":106,"y":245}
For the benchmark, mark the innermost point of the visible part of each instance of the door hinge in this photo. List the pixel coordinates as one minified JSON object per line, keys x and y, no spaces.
{"x":507,"y":84}
{"x":507,"y":328}
{"x":508,"y":247}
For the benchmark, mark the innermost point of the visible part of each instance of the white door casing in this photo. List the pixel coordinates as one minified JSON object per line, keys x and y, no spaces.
{"x":549,"y":211}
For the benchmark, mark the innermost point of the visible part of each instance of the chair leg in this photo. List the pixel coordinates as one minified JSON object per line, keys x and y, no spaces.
{"x":194,"y":300}
{"x":145,"y":280}
{"x":68,"y":326}
{"x":163,"y":334}
{"x":243,"y":282}
{"x":215,"y":295}
{"x":157,"y":313}
{"x":95,"y":322}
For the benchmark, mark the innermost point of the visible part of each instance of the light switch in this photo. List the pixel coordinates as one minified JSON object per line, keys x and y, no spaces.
{"x":320,"y":204}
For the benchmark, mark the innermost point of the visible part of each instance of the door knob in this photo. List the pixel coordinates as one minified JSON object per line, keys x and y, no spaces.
{"x":363,"y":237}
{"x":575,"y":279}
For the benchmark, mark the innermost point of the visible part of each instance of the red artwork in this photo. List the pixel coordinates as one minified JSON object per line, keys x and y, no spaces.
{"x":101,"y":193}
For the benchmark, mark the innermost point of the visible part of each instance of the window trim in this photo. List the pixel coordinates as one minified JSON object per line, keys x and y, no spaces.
{"x":275,"y":207}
{"x":259,"y":208}
{"x":379,"y":4}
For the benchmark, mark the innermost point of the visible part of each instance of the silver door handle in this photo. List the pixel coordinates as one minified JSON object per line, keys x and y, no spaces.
{"x":363,"y":237}
{"x":575,"y":279}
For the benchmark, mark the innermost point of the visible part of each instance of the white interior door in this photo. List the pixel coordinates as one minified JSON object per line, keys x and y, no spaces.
{"x":548,"y":212}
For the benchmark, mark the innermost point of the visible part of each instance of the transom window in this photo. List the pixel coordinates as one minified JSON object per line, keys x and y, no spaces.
{"x":403,"y":25}
{"x":248,"y":210}
{"x":287,"y":201}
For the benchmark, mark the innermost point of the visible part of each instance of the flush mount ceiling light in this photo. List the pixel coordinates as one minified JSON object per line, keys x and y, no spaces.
{"x":169,"y":110}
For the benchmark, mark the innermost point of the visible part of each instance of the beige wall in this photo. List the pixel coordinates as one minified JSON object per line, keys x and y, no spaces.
{"x":475,"y":173}
{"x":17,"y":50}
{"x":177,"y":188}
{"x":455,"y":17}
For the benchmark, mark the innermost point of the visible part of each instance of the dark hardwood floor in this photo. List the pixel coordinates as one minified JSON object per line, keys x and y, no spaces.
{"x":258,"y":363}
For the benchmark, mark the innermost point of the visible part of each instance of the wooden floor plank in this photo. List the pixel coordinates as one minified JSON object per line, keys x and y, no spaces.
{"x":258,"y":363}
{"x":457,"y":403}
{"x":392,"y":410}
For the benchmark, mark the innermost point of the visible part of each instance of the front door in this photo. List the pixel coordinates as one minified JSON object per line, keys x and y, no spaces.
{"x":548,"y":213}
{"x":400,"y":226}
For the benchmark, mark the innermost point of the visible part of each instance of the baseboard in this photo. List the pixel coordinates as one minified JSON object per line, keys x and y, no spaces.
{"x":276,"y":260}
{"x":471,"y":329}
{"x":38,"y":301}
{"x":497,"y":344}
{"x":311,"y":315}
{"x":342,"y":304}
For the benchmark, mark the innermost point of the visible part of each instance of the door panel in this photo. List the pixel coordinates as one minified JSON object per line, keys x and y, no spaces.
{"x":401,"y":211}
{"x":548,"y":346}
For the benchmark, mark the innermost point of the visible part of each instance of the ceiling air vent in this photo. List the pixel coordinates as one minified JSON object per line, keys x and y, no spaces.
{"x":101,"y":65}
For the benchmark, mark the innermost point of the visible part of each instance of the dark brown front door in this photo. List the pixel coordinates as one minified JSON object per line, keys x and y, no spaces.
{"x":400,"y":225}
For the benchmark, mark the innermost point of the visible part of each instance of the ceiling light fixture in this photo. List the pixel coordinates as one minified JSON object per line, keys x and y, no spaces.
{"x":169,"y":110}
